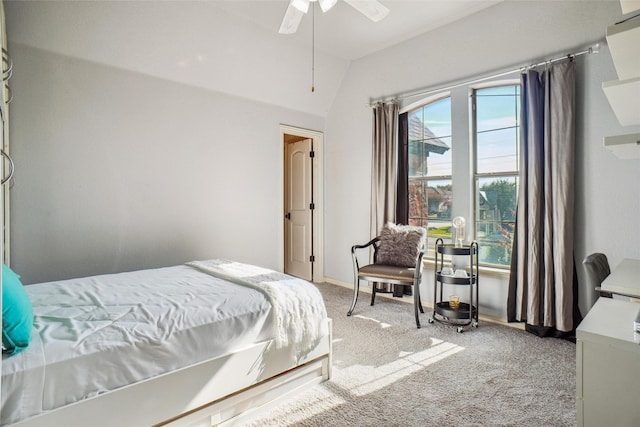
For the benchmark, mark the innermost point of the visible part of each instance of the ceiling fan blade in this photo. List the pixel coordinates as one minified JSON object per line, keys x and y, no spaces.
{"x":291,"y":20}
{"x":325,"y":5}
{"x":372,"y":9}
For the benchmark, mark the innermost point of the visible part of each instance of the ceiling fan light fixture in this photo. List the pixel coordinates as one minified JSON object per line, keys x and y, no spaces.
{"x":325,"y":5}
{"x":301,"y":5}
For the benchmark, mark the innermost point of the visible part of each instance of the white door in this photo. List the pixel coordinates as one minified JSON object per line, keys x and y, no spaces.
{"x":298,"y":196}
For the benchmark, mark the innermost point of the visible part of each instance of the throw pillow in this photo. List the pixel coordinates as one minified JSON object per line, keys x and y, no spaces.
{"x":17,"y":313}
{"x":400,"y":244}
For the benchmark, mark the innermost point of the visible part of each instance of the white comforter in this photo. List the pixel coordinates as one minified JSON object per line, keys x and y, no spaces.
{"x":298,"y":308}
{"x":97,"y":334}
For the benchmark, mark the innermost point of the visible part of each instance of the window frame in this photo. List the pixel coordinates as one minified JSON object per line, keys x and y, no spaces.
{"x":430,"y":255}
{"x":477,"y":176}
{"x":464,"y":177}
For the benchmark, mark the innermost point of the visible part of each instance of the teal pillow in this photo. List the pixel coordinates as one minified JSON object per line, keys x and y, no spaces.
{"x":17,"y":313}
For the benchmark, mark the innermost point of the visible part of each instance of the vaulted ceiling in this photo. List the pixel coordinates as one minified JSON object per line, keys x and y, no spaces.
{"x":344,"y":32}
{"x":227,"y":46}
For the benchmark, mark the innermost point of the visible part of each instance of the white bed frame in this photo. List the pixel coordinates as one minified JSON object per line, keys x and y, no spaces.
{"x":224,"y":391}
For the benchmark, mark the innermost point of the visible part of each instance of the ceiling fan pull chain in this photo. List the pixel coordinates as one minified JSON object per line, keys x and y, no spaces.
{"x":313,"y":48}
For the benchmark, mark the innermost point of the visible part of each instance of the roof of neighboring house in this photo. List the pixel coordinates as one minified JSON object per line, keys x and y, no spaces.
{"x":419,"y":132}
{"x":439,"y":190}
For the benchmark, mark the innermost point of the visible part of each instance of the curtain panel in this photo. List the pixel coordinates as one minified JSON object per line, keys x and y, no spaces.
{"x":384,"y":173}
{"x":543,"y":285}
{"x":384,"y":166}
{"x":402,"y":204}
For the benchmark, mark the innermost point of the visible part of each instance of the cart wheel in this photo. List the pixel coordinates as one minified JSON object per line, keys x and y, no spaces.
{"x":430,"y":319}
{"x":474,"y":324}
{"x":460,"y":329}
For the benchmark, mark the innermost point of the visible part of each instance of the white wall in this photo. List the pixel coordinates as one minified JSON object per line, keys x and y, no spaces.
{"x":502,"y":37}
{"x":117,"y":170}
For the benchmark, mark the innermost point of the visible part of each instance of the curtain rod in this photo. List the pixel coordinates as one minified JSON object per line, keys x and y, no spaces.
{"x":594,"y":48}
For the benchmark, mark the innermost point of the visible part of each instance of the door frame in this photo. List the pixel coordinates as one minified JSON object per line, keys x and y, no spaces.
{"x":318,"y":198}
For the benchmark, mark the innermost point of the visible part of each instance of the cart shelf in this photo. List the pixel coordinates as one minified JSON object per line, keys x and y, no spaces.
{"x":467,"y":312}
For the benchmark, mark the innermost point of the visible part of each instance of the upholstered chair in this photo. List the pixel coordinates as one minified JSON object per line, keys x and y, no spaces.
{"x":397,"y":259}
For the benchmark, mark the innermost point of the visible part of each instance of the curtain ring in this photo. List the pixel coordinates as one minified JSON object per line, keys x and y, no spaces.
{"x":11,"y":167}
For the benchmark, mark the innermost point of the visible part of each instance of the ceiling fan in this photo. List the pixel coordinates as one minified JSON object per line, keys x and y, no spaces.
{"x":372,"y":9}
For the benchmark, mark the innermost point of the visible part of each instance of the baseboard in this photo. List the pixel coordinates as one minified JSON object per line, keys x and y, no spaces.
{"x":409,"y":300}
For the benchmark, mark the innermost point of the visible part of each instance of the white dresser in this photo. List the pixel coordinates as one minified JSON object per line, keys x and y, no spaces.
{"x":608,"y":365}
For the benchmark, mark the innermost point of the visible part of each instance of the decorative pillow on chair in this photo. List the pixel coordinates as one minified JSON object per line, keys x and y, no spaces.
{"x":17,"y":313}
{"x":400,"y":244}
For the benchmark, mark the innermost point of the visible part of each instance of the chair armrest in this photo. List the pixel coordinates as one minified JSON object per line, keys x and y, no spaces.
{"x":354,"y":258}
{"x":366,"y":245}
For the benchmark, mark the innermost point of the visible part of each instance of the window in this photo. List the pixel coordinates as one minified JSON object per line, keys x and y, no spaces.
{"x":485,"y":172}
{"x":497,"y":137}
{"x":430,"y":166}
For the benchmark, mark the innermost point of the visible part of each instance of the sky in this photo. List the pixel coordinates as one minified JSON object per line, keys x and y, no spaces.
{"x":497,"y":132}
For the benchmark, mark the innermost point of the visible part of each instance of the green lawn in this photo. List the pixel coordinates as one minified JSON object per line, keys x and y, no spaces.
{"x":442,"y":232}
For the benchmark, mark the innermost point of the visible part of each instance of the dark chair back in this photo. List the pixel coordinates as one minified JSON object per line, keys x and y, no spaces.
{"x":597,"y":268}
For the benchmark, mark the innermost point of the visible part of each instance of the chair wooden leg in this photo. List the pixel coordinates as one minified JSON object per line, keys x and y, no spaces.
{"x":374,"y":286}
{"x":356,"y":287}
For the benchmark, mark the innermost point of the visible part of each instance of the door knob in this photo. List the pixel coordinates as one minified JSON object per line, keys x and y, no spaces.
{"x":288,"y":215}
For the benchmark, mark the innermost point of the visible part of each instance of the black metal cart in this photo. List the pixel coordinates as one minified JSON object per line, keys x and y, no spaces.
{"x":467,"y":312}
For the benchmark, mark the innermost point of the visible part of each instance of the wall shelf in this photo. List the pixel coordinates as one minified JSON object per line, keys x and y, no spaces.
{"x":624,"y":43}
{"x":629,"y":6}
{"x":624,"y":97}
{"x":624,"y":146}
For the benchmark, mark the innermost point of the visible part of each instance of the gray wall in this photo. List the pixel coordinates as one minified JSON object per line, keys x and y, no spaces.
{"x":117,"y":170}
{"x":503,"y":37}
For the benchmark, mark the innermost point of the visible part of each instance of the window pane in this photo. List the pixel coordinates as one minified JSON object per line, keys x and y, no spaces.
{"x":429,"y":157}
{"x":430,"y":203}
{"x":497,"y":120}
{"x":417,"y":160}
{"x":440,"y":203}
{"x":500,"y":90}
{"x":437,"y":118}
{"x":496,"y":112}
{"x":497,"y":151}
{"x":497,"y":129}
{"x":439,"y":158}
{"x":418,"y":203}
{"x":430,"y":140}
{"x":495,"y":218}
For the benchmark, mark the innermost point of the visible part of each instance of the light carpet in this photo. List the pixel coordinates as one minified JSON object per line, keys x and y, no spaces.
{"x":386,"y":372}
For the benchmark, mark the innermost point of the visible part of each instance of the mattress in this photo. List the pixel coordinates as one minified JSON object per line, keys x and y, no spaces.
{"x":96,"y":334}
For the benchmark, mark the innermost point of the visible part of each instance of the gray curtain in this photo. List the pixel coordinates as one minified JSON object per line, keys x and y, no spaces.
{"x":542,"y":288}
{"x":402,"y":205}
{"x":384,"y":166}
{"x":384,"y":170}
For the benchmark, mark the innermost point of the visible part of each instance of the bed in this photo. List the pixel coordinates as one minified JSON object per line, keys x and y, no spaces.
{"x":206,"y":343}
